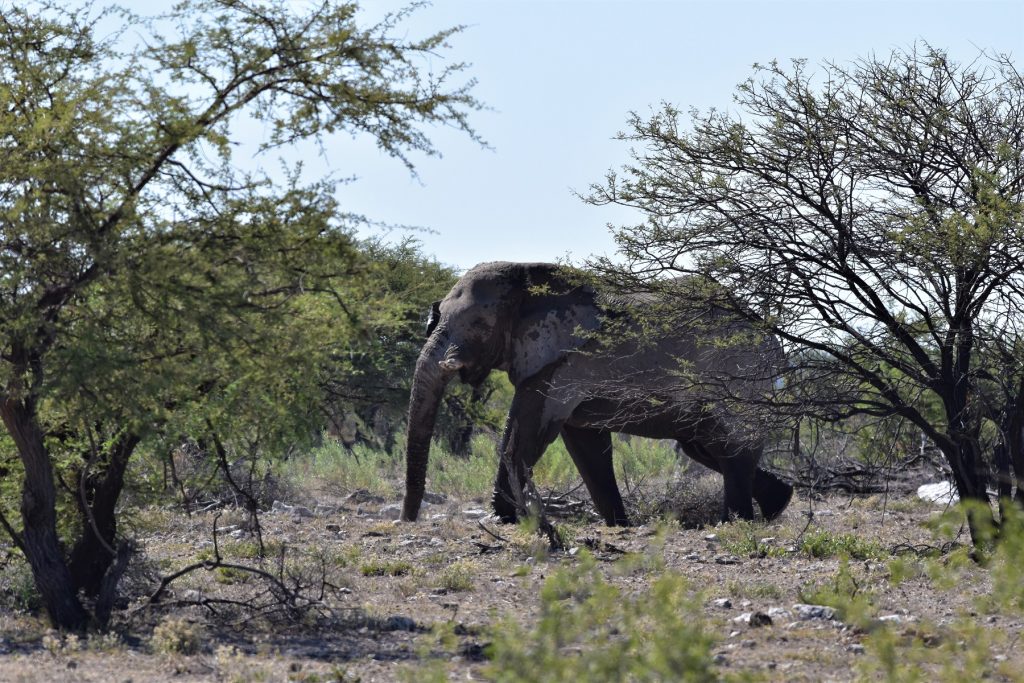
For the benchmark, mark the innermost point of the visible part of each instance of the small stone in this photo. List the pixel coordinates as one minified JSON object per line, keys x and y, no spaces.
{"x":723,"y":603}
{"x":364,"y":496}
{"x":434,"y":498}
{"x":693,"y":557}
{"x":808,"y":612}
{"x":474,"y":513}
{"x":856,"y":649}
{"x":719,"y":658}
{"x":711,"y":537}
{"x":727,"y":559}
{"x":743,"y":618}
{"x":333,"y":528}
{"x":758,"y":619}
{"x":779,"y":613}
{"x":391,"y":511}
{"x":749,"y":644}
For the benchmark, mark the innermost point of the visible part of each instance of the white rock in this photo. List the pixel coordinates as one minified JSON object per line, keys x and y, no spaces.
{"x":391,"y":511}
{"x":897,"y":619}
{"x":723,"y":603}
{"x":807,"y":612}
{"x":940,"y":493}
{"x":474,"y":513}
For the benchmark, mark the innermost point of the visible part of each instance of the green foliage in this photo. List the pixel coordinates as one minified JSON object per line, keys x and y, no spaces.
{"x":590,"y":630}
{"x":822,"y":544}
{"x":16,"y":585}
{"x":555,"y":469}
{"x":745,"y":538}
{"x":458,"y":576}
{"x":176,"y":636}
{"x":150,"y":288}
{"x":471,"y":476}
{"x":962,"y":648}
{"x":385,"y":568}
{"x":853,"y":602}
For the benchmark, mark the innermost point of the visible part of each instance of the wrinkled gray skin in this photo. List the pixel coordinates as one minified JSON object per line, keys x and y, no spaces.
{"x":521,"y":318}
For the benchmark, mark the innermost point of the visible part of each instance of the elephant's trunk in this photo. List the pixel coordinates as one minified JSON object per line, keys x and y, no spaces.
{"x":427,"y":388}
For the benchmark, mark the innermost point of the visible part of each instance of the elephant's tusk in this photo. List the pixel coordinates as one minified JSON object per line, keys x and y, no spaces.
{"x":450,"y":364}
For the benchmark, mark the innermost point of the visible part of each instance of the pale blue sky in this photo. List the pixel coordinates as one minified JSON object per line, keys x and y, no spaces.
{"x":562,"y":76}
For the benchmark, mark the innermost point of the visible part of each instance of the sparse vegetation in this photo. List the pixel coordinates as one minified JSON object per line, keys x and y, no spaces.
{"x":822,"y":544}
{"x":205,"y":372}
{"x":386,"y":568}
{"x":590,"y":630}
{"x":176,"y":636}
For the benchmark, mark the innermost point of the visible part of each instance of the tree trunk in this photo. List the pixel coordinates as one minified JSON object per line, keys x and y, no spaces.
{"x":91,"y":557}
{"x":38,"y":512}
{"x":970,"y":478}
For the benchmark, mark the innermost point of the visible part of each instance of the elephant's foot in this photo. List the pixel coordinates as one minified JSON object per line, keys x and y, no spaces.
{"x":771,"y":493}
{"x":504,"y":508}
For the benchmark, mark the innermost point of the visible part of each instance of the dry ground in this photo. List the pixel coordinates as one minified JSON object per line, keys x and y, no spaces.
{"x":385,"y":585}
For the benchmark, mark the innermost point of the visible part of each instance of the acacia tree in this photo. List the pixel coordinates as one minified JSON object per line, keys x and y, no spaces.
{"x":139,"y":269}
{"x":868,"y":214}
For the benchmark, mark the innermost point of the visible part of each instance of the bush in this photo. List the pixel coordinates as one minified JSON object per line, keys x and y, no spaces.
{"x":822,"y":544}
{"x":176,"y":636}
{"x":590,"y":630}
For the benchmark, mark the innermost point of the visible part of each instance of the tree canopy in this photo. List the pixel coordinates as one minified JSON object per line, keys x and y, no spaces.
{"x":870,"y":216}
{"x":147,"y":285}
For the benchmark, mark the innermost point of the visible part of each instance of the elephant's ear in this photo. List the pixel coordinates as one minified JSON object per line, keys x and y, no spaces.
{"x":554,"y":315}
{"x":433,"y":317}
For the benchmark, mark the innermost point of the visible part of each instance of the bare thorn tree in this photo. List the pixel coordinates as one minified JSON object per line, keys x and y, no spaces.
{"x":869,"y":216}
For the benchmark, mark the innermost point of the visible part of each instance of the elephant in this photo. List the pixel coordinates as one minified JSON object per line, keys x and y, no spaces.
{"x":542,"y":326}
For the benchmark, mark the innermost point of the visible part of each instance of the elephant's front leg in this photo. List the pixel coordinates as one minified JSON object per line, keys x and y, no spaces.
{"x":591,"y":451}
{"x":533,"y":423}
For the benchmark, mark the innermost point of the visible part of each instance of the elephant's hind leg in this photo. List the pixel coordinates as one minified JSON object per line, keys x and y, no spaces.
{"x":737,"y":474}
{"x":738,"y":477}
{"x":771,"y":493}
{"x":591,"y":450}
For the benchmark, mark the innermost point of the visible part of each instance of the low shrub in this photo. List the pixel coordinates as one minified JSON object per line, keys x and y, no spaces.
{"x":590,"y":630}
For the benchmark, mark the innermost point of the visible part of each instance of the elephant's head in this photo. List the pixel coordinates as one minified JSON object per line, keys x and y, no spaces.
{"x":517,"y":317}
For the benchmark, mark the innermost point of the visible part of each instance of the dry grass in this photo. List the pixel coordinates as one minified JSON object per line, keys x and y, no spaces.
{"x":380,"y":592}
